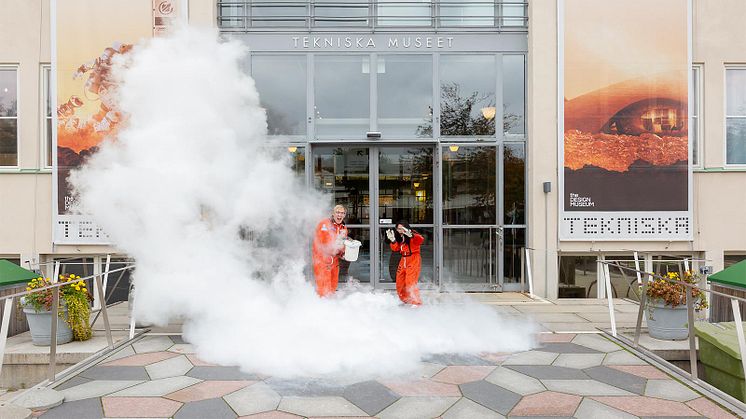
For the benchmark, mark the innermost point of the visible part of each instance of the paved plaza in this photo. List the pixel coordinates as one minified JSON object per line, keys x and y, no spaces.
{"x":569,"y":375}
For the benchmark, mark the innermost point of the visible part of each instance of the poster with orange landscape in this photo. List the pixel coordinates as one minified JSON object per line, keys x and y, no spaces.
{"x":624,"y":137}
{"x":87,"y":37}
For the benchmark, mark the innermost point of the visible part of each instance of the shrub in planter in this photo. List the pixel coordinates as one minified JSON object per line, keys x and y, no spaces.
{"x":667,"y":316}
{"x":74,"y":296}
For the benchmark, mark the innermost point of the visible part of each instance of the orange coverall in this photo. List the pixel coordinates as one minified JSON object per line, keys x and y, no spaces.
{"x":327,"y":247}
{"x":409,"y":269}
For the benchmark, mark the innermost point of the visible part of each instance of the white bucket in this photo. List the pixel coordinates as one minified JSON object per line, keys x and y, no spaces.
{"x":352,"y":248}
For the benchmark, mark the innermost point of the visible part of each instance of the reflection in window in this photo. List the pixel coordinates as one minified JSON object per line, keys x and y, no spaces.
{"x":514,"y":95}
{"x":467,"y":95}
{"x":341,"y":13}
{"x":405,"y":95}
{"x":265,"y":13}
{"x":284,"y":97}
{"x":406,"y":184}
{"x":342,"y":172}
{"x":694,"y":129}
{"x":469,"y":255}
{"x":735,"y":119}
{"x":298,"y":161}
{"x":411,"y":13}
{"x":467,"y":13}
{"x":359,"y":270}
{"x":46,"y":71}
{"x":8,"y":117}
{"x":348,"y":113}
{"x":514,"y":183}
{"x":469,"y":185}
{"x":231,"y":15}
{"x":514,"y":243}
{"x":513,"y":13}
{"x":390,"y":260}
{"x":730,"y":260}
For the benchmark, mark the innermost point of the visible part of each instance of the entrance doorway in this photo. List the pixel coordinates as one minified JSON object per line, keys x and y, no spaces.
{"x":449,"y":194}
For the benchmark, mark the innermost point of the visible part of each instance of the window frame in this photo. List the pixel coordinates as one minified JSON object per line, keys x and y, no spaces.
{"x":698,"y":90}
{"x":46,"y":142}
{"x":15,"y":68}
{"x":729,"y":66}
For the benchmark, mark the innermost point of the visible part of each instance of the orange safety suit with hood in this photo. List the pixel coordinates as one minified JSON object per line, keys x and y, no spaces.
{"x":410,"y":264}
{"x":327,"y":247}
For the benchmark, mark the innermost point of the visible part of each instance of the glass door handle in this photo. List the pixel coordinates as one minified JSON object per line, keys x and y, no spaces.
{"x":499,"y":233}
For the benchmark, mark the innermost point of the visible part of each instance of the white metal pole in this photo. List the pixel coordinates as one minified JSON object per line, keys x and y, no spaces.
{"x":637,"y":268}
{"x":4,"y":329}
{"x":106,"y":277}
{"x":609,"y":299}
{"x":739,"y":332}
{"x":529,"y":274}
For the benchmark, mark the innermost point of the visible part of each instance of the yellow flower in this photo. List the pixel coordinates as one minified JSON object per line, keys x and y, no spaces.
{"x":28,"y":288}
{"x":77,"y":288}
{"x":39,"y":278}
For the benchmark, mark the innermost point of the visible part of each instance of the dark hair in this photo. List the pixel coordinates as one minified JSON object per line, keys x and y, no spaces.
{"x":400,"y":237}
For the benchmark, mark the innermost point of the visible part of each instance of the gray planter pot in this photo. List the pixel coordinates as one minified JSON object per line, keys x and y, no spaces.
{"x":666,"y":322}
{"x":40,"y":325}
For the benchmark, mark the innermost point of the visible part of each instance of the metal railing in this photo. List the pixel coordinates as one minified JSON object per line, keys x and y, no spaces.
{"x":99,"y":279}
{"x":245,"y":15}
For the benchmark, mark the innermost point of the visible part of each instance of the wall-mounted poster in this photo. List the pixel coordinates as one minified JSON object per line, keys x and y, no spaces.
{"x":87,"y":37}
{"x":624,"y":125}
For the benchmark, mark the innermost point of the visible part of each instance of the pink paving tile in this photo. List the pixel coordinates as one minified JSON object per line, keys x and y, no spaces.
{"x":421,"y":387}
{"x":273,"y":414}
{"x":496,"y":357}
{"x":462,"y":374}
{"x":547,"y":403}
{"x":139,"y":407}
{"x":647,"y":406}
{"x":140,"y":360}
{"x":644,"y":371}
{"x":556,"y":337}
{"x":709,"y":409}
{"x":198,"y":362}
{"x":208,"y":390}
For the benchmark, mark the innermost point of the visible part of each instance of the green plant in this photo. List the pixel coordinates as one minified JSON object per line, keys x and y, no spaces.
{"x":673,"y":293}
{"x":74,"y":295}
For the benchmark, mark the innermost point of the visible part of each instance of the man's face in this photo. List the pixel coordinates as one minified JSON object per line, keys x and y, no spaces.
{"x":339,"y":215}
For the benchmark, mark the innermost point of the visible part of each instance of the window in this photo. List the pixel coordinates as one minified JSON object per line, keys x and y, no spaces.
{"x":405,"y":95}
{"x":8,"y":116}
{"x":696,"y":129}
{"x":467,"y":95}
{"x":735,"y":115}
{"x":284,"y":98}
{"x":46,"y":72}
{"x":514,"y":13}
{"x":341,"y":13}
{"x":467,"y":13}
{"x":514,"y":95}
{"x":339,"y":114}
{"x":732,"y":259}
{"x":411,"y":13}
{"x":266,"y":13}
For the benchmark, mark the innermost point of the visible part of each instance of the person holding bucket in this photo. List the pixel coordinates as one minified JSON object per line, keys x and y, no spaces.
{"x":407,"y":242}
{"x":328,"y":246}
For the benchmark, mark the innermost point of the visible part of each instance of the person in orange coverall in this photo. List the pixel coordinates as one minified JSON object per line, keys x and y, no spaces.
{"x":407,"y":242}
{"x":327,"y":248}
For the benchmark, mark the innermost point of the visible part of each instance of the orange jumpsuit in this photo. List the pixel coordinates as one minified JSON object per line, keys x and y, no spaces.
{"x":327,"y":247}
{"x":409,"y":269}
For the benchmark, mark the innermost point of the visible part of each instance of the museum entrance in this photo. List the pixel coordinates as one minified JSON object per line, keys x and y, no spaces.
{"x":448,"y":193}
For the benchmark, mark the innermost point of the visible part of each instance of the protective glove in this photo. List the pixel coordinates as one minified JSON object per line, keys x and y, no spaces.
{"x":408,"y":232}
{"x":390,"y":235}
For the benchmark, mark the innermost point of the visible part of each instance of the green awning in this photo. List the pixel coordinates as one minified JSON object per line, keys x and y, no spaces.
{"x":10,"y":273}
{"x":734,"y":276}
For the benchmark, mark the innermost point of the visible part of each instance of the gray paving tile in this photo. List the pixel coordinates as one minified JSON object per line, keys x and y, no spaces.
{"x":80,"y":409}
{"x":466,"y":408}
{"x":515,"y":381}
{"x":115,"y":373}
{"x":77,"y":380}
{"x":210,"y":408}
{"x":305,"y":387}
{"x":591,"y":409}
{"x":622,"y":358}
{"x":670,"y":390}
{"x":457,"y":359}
{"x":177,"y":339}
{"x":584,"y":388}
{"x":172,"y":367}
{"x":320,"y":406}
{"x":543,"y":417}
{"x":11,"y":411}
{"x":152,"y":344}
{"x":596,"y":341}
{"x":531,"y":358}
{"x":220,"y":373}
{"x":566,"y":348}
{"x":549,"y":372}
{"x":96,"y":388}
{"x":579,"y":361}
{"x":616,"y":378}
{"x":674,"y":417}
{"x":418,"y":407}
{"x":370,"y":396}
{"x":490,"y":396}
{"x":256,"y":398}
{"x":121,"y":353}
{"x":158,"y":387}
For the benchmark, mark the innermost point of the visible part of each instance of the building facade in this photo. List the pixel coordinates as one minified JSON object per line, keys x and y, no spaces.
{"x":441,"y":113}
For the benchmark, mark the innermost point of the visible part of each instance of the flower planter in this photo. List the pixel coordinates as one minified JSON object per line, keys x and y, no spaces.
{"x":666,"y":322}
{"x":40,"y":323}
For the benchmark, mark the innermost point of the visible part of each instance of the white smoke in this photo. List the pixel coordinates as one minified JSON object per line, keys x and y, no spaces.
{"x":220,"y":228}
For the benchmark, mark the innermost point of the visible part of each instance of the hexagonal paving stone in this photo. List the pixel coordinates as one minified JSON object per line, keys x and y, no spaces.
{"x":622,"y":358}
{"x":208,"y":390}
{"x":319,"y":406}
{"x":255,"y":398}
{"x":709,"y":409}
{"x":495,"y":357}
{"x":418,"y":407}
{"x":304,"y":387}
{"x":670,"y":390}
{"x":597,"y":342}
{"x":158,"y":387}
{"x":198,"y":362}
{"x":140,"y":360}
{"x":115,"y":373}
{"x":616,"y":378}
{"x":221,"y":373}
{"x":644,"y":371}
{"x":591,"y":409}
{"x":556,"y":337}
{"x":579,"y":361}
{"x":275,"y":414}
{"x":152,"y":344}
{"x":75,"y":381}
{"x":547,"y":403}
{"x":567,"y":348}
{"x":466,"y":408}
{"x":182,"y":348}
{"x":80,"y":409}
{"x":121,"y":353}
{"x":96,"y":388}
{"x":421,"y":388}
{"x":139,"y":407}
{"x":515,"y":381}
{"x":174,"y":367}
{"x":531,"y":358}
{"x":646,"y":406}
{"x":584,"y":388}
{"x":370,"y":396}
{"x":457,"y":359}
{"x":490,"y":396}
{"x":459,"y":374}
{"x":549,"y":372}
{"x":210,"y":408}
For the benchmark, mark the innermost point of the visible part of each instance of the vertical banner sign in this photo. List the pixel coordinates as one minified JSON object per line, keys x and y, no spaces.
{"x":624,"y":120}
{"x":87,"y":37}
